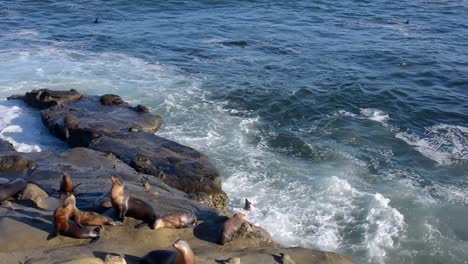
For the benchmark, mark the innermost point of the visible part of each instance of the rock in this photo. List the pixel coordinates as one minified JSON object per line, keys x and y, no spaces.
{"x":286,"y":259}
{"x":91,"y":117}
{"x":178,"y":166}
{"x":15,"y":163}
{"x":103,"y":201}
{"x":45,"y":98}
{"x":201,"y":197}
{"x":142,"y":109}
{"x":6,"y":146}
{"x":114,"y":259}
{"x":50,"y":203}
{"x":33,"y":193}
{"x":112,"y":99}
{"x":254,"y":233}
{"x":89,"y":260}
{"x":233,"y":261}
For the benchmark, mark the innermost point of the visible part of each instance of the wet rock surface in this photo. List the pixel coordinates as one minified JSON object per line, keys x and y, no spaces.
{"x":169,"y":176}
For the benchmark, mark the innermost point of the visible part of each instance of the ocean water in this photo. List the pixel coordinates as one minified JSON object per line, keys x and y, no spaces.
{"x":344,"y":122}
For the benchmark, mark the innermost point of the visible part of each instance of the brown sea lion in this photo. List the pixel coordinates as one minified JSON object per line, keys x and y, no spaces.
{"x":66,"y":227}
{"x":176,"y":220}
{"x":230,"y":227}
{"x":87,"y":218}
{"x":124,"y":205}
{"x":66,"y":185}
{"x":184,"y":255}
{"x":11,"y":188}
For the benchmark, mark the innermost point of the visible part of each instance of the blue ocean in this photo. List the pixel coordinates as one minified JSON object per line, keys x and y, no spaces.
{"x":344,"y":122}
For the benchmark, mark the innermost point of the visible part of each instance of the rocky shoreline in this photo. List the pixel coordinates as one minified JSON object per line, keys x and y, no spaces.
{"x":109,"y":137}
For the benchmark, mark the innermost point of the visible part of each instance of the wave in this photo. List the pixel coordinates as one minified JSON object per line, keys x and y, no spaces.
{"x":22,"y":127}
{"x":445,"y":144}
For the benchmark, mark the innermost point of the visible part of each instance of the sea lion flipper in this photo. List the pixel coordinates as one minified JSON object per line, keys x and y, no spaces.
{"x":74,"y":187}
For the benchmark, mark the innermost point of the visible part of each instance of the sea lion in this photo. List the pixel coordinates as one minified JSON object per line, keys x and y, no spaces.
{"x":66,"y":227}
{"x":66,"y":185}
{"x":11,"y":188}
{"x":248,"y":205}
{"x":176,"y":220}
{"x":230,"y":227}
{"x":183,"y":256}
{"x":87,"y":218}
{"x":124,"y":205}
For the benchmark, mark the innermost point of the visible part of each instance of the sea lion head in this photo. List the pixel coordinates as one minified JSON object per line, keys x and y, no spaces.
{"x":239,"y":215}
{"x":66,"y":186}
{"x":116,"y":181}
{"x":117,"y":190}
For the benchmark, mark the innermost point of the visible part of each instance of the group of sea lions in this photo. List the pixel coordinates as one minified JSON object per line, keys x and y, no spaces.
{"x":70,"y":221}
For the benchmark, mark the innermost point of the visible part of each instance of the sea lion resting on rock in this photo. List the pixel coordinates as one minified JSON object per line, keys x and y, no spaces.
{"x":125,"y":205}
{"x":186,"y":255}
{"x":88,"y":218}
{"x":230,"y":227}
{"x":11,"y":188}
{"x":176,"y":220}
{"x":66,"y":185}
{"x":66,"y":227}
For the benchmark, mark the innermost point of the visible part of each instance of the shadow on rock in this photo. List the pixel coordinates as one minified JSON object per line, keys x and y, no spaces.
{"x":210,"y":230}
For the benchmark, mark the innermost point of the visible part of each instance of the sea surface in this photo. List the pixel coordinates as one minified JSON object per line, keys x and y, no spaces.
{"x":344,"y":122}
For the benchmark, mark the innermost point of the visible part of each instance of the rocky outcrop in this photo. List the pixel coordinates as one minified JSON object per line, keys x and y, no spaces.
{"x":6,"y":146}
{"x":169,"y":176}
{"x":109,"y":124}
{"x":45,"y":98}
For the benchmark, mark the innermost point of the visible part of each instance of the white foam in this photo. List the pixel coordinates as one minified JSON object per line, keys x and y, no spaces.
{"x":23,"y":128}
{"x":385,"y":225}
{"x":345,"y":113}
{"x":375,"y":114}
{"x":445,"y":144}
